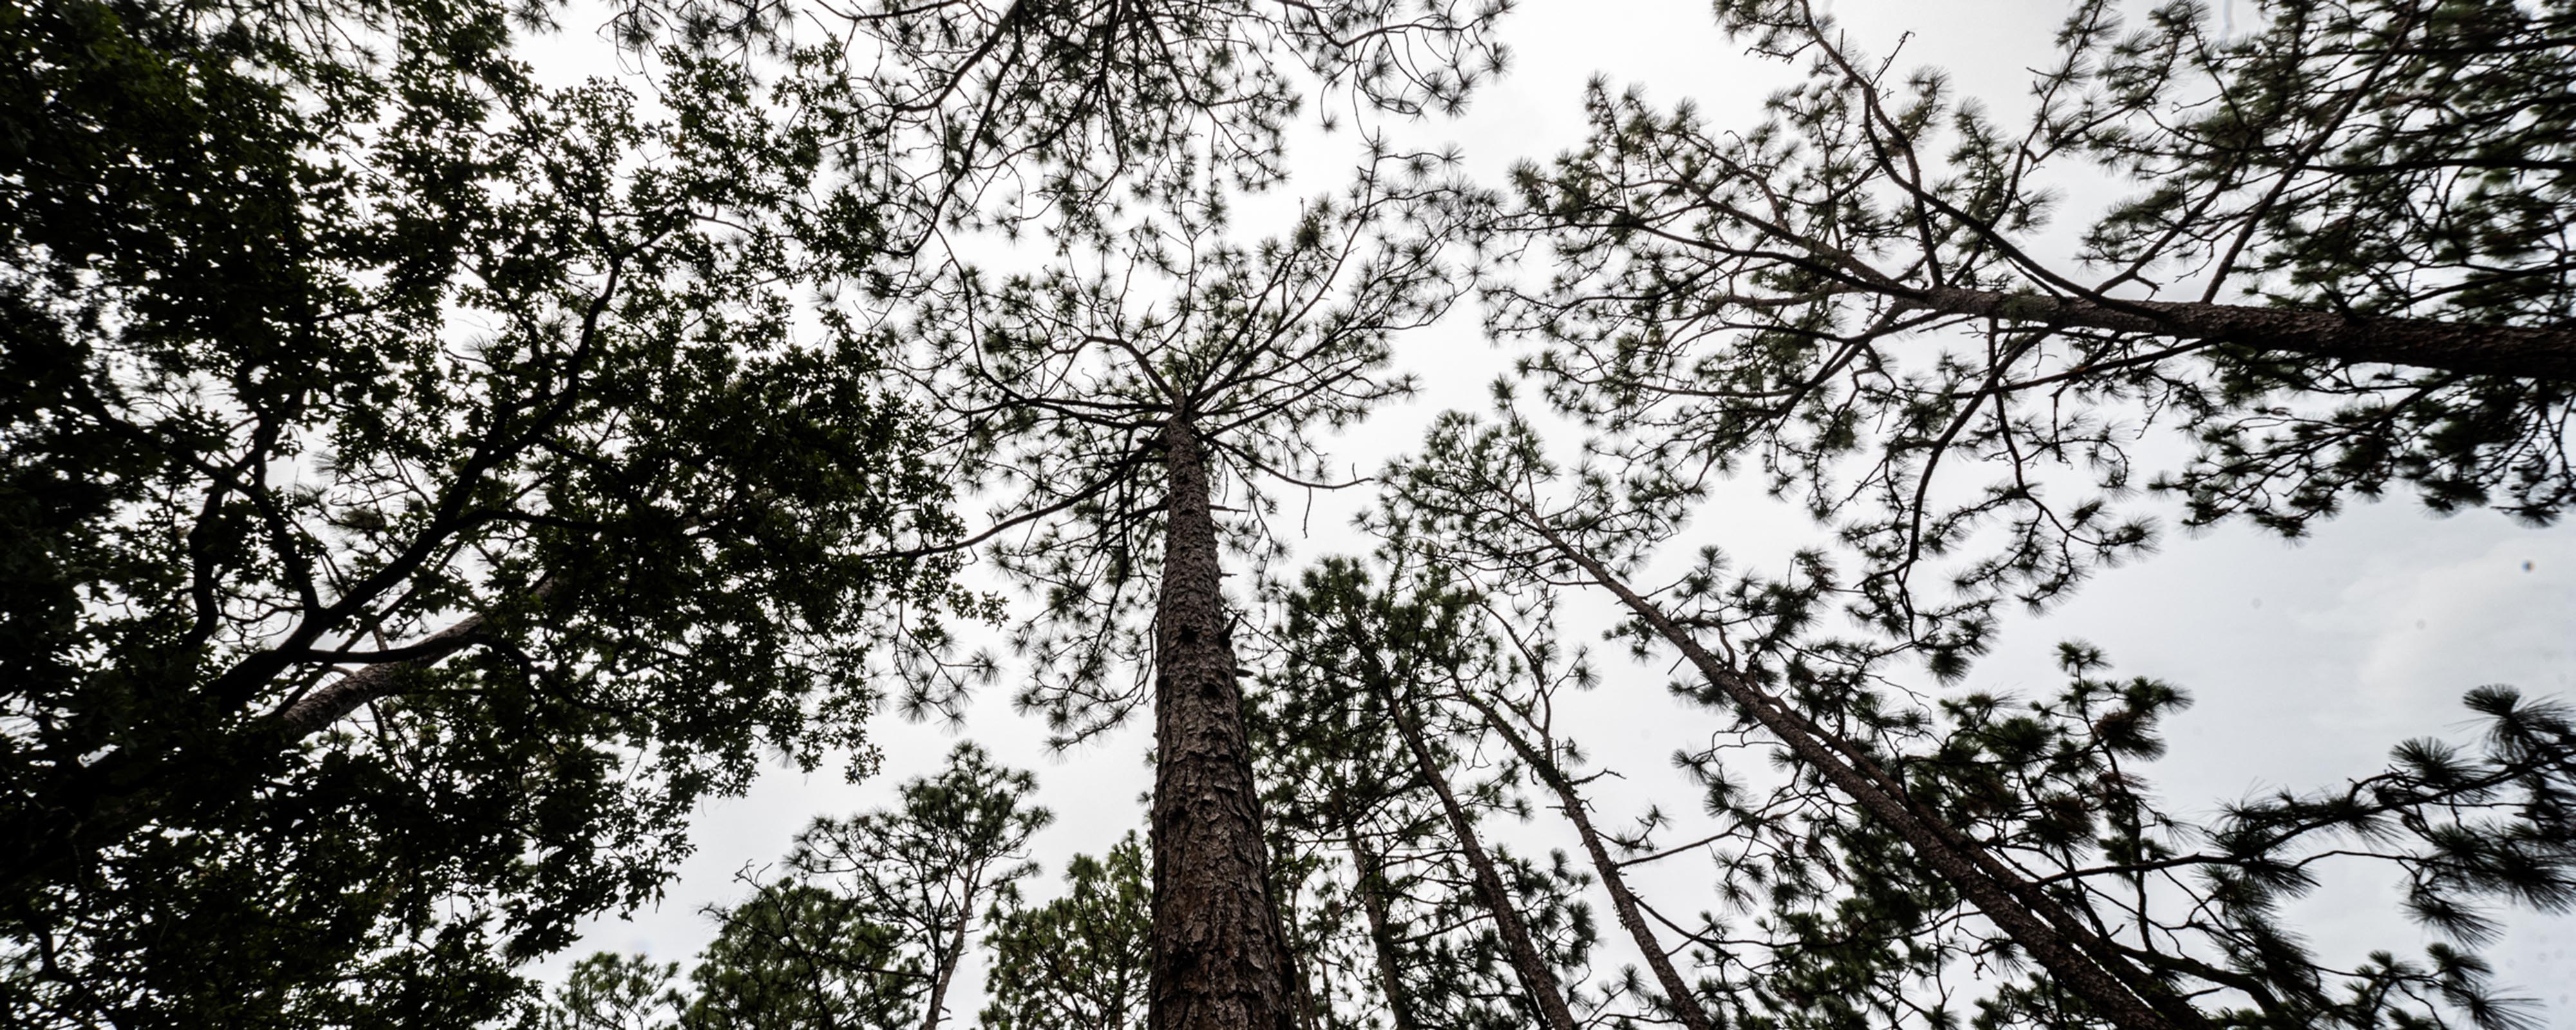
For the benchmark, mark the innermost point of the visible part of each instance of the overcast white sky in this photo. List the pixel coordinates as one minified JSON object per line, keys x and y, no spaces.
{"x":2307,"y":661}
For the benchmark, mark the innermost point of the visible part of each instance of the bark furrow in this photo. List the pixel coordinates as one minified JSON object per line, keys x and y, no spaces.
{"x":1218,"y":957}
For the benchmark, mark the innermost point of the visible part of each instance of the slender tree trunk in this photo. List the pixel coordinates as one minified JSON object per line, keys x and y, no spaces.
{"x":2419,"y":342}
{"x":948,"y":962}
{"x":1534,"y":974}
{"x":2081,"y":961}
{"x":1684,"y":1003}
{"x":1372,"y":890}
{"x":1301,"y":980}
{"x":1218,"y":955}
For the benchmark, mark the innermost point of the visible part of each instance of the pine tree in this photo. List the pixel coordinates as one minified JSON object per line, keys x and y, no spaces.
{"x":1096,"y":126}
{"x":927,"y":869}
{"x":1077,"y":961}
{"x":419,"y":495}
{"x":1109,"y":396}
{"x":1374,"y":772}
{"x":1903,"y":838}
{"x":608,"y":991}
{"x":2342,"y":269}
{"x":1513,"y":688}
{"x":803,"y":954}
{"x":866,"y":928}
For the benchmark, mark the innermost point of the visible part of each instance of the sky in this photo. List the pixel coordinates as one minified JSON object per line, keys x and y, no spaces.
{"x":2307,"y":660}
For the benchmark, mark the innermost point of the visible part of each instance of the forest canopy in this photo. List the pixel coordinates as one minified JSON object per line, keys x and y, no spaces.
{"x":446,"y":447}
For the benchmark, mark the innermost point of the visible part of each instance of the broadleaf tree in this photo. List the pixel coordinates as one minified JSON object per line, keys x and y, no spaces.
{"x":385,"y":428}
{"x":419,"y":498}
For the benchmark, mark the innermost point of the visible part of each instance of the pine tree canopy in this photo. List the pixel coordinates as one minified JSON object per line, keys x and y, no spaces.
{"x":2342,"y":267}
{"x":449,"y":446}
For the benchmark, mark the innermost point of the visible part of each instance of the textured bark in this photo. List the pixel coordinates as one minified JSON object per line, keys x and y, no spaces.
{"x":1534,"y":975}
{"x":2080,"y":960}
{"x":1684,"y":1004}
{"x":2419,"y":342}
{"x":1219,"y":957}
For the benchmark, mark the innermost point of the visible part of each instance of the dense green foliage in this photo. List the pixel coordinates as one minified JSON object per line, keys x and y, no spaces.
{"x":417,"y":501}
{"x":955,"y":842}
{"x":1078,"y":960}
{"x":616,"y":992}
{"x":420,"y":490}
{"x":867,"y":928}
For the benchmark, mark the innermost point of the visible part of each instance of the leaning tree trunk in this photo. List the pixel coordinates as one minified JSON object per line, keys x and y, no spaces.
{"x":120,"y":795}
{"x":2083,"y":962}
{"x":1218,"y":955}
{"x":1683,"y":1001}
{"x":2502,"y":350}
{"x":1534,"y":975}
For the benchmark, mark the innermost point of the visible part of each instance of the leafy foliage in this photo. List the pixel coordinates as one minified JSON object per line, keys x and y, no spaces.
{"x":796,"y":955}
{"x":423,"y":486}
{"x":866,"y":929}
{"x":608,"y":991}
{"x":956,"y":840}
{"x":418,"y":501}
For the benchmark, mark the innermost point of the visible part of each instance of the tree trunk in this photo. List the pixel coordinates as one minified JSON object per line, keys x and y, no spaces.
{"x":1534,"y":974}
{"x":1218,"y":955}
{"x":2080,"y":960}
{"x":2419,"y":342}
{"x":1371,"y":884}
{"x":1684,"y":1003}
{"x":330,"y":702}
{"x":948,"y":962}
